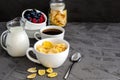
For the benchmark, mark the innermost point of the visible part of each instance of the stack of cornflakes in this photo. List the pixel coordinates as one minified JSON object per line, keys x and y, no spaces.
{"x":48,"y":47}
{"x":58,"y":18}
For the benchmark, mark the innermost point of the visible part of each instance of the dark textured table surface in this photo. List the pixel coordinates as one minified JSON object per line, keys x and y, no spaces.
{"x":99,"y":44}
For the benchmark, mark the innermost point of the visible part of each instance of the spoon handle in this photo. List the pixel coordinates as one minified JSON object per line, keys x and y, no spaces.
{"x":68,"y":71}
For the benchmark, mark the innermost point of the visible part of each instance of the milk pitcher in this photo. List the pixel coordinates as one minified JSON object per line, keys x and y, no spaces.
{"x":15,"y":40}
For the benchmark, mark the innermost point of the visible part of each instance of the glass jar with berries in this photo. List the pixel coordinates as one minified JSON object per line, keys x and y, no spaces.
{"x":57,"y":13}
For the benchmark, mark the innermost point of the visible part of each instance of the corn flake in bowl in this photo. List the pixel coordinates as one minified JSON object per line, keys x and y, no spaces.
{"x":48,"y":47}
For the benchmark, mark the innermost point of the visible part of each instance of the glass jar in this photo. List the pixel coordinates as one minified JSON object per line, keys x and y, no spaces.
{"x":57,"y":13}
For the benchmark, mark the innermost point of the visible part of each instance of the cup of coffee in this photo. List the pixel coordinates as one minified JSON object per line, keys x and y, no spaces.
{"x":50,"y":32}
{"x":50,"y":52}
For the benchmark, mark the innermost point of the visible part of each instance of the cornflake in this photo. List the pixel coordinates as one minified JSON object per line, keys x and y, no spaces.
{"x":31,"y":76}
{"x":32,"y":70}
{"x":53,"y":74}
{"x":47,"y":44}
{"x":41,"y":72}
{"x":49,"y":70}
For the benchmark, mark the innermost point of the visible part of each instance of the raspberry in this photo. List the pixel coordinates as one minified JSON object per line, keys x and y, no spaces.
{"x":34,"y":20}
{"x":42,"y":19}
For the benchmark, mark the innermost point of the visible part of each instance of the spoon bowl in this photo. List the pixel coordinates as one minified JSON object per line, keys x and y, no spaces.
{"x":76,"y":57}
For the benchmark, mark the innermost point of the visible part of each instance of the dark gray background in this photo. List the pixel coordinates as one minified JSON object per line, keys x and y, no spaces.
{"x":78,"y":10}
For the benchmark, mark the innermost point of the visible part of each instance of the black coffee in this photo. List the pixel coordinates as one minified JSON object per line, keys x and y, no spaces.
{"x":52,"y":31}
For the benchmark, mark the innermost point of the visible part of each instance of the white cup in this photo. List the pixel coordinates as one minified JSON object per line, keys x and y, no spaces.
{"x":49,"y":60}
{"x":31,"y":27}
{"x":48,"y":35}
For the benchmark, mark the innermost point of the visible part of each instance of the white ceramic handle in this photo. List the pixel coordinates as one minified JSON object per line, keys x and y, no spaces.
{"x":31,"y":58}
{"x":35,"y":35}
{"x":23,"y":23}
{"x":3,"y":39}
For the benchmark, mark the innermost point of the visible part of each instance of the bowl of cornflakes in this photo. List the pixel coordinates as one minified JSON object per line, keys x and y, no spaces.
{"x":50,"y":52}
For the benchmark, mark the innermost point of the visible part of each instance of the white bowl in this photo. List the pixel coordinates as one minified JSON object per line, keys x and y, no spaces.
{"x":49,"y":60}
{"x":30,"y":27}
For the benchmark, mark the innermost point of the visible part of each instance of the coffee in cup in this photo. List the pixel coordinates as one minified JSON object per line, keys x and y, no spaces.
{"x":50,"y":32}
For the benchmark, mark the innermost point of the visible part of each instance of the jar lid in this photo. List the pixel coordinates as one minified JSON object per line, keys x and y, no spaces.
{"x":57,"y":1}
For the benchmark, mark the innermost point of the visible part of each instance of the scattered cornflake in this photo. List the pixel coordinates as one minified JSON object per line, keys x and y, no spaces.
{"x":31,"y":76}
{"x":32,"y":70}
{"x":49,"y":70}
{"x":41,"y":72}
{"x":53,"y":74}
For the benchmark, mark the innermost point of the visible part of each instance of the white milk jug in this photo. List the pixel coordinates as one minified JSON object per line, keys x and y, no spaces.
{"x":15,"y":40}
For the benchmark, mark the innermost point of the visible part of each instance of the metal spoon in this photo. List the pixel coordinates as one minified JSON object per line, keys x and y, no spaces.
{"x":76,"y":57}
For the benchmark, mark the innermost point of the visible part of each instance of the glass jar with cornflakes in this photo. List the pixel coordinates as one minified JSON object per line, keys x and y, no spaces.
{"x":57,"y":13}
